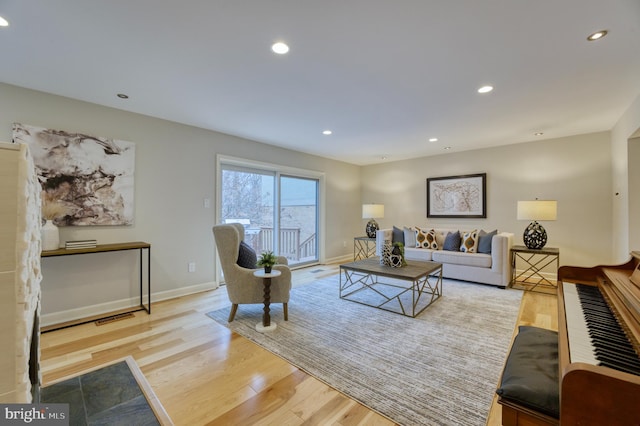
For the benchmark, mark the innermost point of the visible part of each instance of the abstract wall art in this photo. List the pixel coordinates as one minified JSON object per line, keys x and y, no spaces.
{"x":457,"y":196}
{"x":92,"y":177}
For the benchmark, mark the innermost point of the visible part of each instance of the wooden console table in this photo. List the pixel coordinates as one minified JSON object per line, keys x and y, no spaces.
{"x":103,"y":248}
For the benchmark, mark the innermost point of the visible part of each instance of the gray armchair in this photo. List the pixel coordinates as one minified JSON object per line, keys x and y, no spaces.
{"x":242,"y":286}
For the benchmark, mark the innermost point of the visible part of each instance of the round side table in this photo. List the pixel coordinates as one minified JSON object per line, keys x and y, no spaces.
{"x":266,"y":324}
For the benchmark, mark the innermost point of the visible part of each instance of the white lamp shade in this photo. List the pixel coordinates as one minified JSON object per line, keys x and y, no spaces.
{"x":537,"y":210}
{"x":371,"y":211}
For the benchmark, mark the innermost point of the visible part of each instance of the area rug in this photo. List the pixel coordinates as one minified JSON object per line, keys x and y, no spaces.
{"x":113,"y":394}
{"x":440,"y":368}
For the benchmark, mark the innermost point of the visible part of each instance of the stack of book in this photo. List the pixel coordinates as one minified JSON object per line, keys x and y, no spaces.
{"x":80,"y":244}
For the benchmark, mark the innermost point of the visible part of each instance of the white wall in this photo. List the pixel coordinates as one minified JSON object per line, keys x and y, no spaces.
{"x":626,"y":128}
{"x":175,"y":171}
{"x":634,"y":194}
{"x":575,"y":171}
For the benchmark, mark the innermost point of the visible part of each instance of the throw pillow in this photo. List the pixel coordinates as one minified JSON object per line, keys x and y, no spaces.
{"x":440,"y":239}
{"x":426,"y":239}
{"x":247,"y":257}
{"x":409,"y":237}
{"x":469,"y":242}
{"x":397,"y":235}
{"x":452,"y":241}
{"x":484,"y":241}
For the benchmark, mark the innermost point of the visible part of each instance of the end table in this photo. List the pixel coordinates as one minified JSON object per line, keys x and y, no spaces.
{"x":535,"y":260}
{"x":266,"y":324}
{"x":363,"y":248}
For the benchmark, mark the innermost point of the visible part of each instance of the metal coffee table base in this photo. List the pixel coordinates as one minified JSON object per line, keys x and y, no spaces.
{"x":383,"y":289}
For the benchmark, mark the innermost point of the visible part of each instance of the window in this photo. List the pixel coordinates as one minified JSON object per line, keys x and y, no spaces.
{"x":279,"y":207}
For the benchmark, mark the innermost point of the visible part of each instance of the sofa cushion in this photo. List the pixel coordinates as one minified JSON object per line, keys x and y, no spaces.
{"x":469,"y":241}
{"x":247,"y":257}
{"x":397,"y":235}
{"x":484,"y":241}
{"x":460,"y":258}
{"x":409,"y":237}
{"x":412,"y":253}
{"x":452,"y":241}
{"x":426,"y":238}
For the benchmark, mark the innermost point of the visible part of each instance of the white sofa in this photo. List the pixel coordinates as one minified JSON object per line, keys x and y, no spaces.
{"x":493,"y":268}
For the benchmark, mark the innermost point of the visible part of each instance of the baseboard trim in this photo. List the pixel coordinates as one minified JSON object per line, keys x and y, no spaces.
{"x":340,"y":259}
{"x":69,"y":315}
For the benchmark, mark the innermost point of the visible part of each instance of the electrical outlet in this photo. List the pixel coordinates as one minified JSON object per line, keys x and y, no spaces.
{"x":192,"y":266}
{"x":344,"y":244}
{"x":206,"y":203}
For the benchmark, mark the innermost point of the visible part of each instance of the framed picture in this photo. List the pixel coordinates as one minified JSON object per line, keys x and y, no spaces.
{"x":457,"y":196}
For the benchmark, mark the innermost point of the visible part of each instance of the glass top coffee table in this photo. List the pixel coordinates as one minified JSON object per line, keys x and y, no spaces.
{"x":408,"y":290}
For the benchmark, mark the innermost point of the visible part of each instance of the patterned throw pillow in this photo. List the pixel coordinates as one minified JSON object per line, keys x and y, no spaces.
{"x":247,"y":257}
{"x":452,"y":241}
{"x":469,"y":243}
{"x":426,"y":239}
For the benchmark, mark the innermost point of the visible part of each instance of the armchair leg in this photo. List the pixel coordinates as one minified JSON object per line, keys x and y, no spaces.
{"x":234,"y":309}
{"x":285,"y":308}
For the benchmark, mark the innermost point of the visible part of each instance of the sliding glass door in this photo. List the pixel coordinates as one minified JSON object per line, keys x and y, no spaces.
{"x":298,"y":219}
{"x":279,"y":211}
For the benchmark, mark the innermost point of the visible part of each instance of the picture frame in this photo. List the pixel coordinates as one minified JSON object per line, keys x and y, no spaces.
{"x":462,"y":196}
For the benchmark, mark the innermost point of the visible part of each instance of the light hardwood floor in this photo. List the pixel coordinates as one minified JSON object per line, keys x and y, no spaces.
{"x":205,"y":375}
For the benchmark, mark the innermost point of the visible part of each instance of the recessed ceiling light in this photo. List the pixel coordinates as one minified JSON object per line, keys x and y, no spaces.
{"x":597,"y":35}
{"x":538,"y":134}
{"x":280,"y":48}
{"x":327,"y":132}
{"x":485,"y":89}
{"x":123,"y":96}
{"x":447,"y":148}
{"x":3,"y":22}
{"x":433,"y":139}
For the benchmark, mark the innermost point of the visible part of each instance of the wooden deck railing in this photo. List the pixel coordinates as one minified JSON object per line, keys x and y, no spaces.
{"x":289,"y":243}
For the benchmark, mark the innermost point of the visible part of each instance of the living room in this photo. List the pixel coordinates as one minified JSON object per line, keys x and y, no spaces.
{"x":589,"y":174}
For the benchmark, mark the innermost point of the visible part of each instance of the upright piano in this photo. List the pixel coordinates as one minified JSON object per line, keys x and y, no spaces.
{"x":598,"y":344}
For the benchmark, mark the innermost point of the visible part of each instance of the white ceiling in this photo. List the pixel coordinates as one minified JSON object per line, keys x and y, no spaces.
{"x":383,"y":75}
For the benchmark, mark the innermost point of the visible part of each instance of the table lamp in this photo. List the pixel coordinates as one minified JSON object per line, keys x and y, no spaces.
{"x":535,"y":236}
{"x":372,"y":211}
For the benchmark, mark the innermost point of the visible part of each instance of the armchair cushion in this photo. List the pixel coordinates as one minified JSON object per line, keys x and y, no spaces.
{"x":247,"y":257}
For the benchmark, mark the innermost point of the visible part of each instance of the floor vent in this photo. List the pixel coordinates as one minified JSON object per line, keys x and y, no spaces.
{"x":113,"y":318}
{"x":315,"y":271}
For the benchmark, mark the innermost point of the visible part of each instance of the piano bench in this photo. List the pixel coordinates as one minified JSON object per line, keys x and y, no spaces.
{"x":529,"y":387}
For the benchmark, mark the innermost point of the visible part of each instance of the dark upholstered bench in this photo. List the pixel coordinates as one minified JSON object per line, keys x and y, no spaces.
{"x":529,"y":388}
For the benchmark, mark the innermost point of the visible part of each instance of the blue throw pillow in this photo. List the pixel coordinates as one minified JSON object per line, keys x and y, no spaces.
{"x":452,"y":241}
{"x":484,"y":241}
{"x":397,"y":236}
{"x":247,"y":257}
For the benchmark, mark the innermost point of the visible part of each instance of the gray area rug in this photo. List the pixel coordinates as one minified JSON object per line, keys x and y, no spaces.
{"x":440,"y":368}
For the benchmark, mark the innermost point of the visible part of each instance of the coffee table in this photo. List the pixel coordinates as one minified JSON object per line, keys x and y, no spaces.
{"x":408,"y":290}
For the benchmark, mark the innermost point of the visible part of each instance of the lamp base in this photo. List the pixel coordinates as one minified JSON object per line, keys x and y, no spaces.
{"x":372,"y":228}
{"x":535,"y":236}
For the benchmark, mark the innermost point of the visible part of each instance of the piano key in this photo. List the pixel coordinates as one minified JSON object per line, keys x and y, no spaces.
{"x":611,"y":347}
{"x":580,"y":348}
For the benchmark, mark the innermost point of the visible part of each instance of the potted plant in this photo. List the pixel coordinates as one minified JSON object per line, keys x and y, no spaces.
{"x":267,"y":259}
